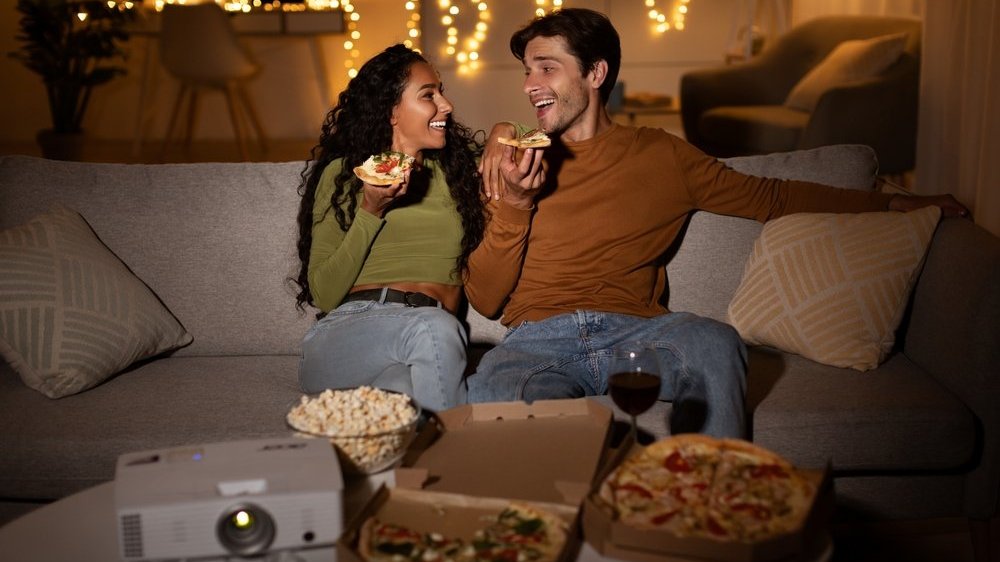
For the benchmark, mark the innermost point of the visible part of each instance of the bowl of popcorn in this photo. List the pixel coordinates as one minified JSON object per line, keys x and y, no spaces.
{"x":370,"y":427}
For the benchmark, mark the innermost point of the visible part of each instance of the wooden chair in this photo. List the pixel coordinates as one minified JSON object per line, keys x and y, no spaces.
{"x":199,"y":48}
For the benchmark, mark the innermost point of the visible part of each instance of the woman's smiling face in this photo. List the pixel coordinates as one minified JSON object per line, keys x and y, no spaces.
{"x":421,"y":116}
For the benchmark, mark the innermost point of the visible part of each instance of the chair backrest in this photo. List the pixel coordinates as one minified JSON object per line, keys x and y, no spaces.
{"x":198,"y":44}
{"x":808,"y":43}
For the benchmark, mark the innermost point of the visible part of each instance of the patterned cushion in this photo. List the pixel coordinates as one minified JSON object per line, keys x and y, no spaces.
{"x":71,"y":313}
{"x":832,"y":287}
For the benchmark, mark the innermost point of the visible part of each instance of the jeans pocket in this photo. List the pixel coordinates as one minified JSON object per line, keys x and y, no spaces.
{"x":514,"y":329}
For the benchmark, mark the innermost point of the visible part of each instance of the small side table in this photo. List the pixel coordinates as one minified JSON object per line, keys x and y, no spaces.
{"x":633,"y":107}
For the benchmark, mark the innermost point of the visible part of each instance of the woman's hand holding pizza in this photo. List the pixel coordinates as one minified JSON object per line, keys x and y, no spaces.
{"x":378,"y":198}
{"x":489,"y":164}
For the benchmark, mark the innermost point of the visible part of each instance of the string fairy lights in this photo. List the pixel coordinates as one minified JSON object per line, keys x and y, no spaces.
{"x":412,"y":24}
{"x":544,"y":6}
{"x":464,"y":50}
{"x":662,"y":22}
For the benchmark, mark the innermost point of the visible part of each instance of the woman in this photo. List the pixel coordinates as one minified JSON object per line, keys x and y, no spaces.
{"x":384,"y":264}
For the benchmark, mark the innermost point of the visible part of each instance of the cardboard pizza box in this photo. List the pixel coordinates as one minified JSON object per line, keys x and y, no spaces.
{"x":618,"y":540}
{"x":471,"y":461}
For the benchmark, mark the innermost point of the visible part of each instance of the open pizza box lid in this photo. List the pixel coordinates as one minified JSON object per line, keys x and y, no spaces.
{"x":618,"y":540}
{"x":473,"y":460}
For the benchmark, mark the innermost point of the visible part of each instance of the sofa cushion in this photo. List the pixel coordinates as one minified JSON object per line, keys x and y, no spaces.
{"x":63,"y":446}
{"x":71,"y":313}
{"x":706,"y":266}
{"x":216,"y":242}
{"x":895,"y":418}
{"x":832,"y":287}
{"x":850,"y":61}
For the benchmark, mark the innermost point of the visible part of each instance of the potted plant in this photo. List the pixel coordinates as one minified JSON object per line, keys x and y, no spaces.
{"x":72,"y":46}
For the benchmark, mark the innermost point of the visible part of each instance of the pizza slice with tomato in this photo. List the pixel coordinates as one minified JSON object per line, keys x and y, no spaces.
{"x":757,"y":493}
{"x":694,"y":485}
{"x":386,"y":168}
{"x":519,"y":533}
{"x":386,"y":542}
{"x":522,"y":533}
{"x":666,"y":486}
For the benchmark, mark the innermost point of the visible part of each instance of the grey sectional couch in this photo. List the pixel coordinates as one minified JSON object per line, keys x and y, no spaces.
{"x":918,"y":437}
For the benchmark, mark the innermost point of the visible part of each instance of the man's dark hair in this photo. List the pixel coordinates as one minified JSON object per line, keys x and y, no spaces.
{"x":589,"y":36}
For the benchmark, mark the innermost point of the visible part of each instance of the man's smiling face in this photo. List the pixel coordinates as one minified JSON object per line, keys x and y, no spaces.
{"x":556,"y":87}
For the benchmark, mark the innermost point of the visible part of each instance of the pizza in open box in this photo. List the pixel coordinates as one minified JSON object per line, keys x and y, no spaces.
{"x":519,"y":533}
{"x":723,"y":489}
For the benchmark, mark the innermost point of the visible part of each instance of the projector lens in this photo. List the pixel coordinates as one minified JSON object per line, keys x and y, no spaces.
{"x":245,"y":529}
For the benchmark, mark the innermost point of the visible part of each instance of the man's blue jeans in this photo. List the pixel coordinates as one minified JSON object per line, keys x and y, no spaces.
{"x":702,"y":362}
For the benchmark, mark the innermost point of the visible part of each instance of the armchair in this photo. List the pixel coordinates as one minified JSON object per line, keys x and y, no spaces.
{"x":739,"y":110}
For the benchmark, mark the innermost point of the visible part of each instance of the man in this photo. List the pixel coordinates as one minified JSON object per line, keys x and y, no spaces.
{"x":573,"y":253}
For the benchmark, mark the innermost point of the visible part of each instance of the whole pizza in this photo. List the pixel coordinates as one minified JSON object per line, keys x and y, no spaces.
{"x":722,"y":489}
{"x":519,"y":533}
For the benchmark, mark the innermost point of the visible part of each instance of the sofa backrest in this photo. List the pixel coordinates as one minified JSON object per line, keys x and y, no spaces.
{"x":215,"y":242}
{"x":707,"y":264}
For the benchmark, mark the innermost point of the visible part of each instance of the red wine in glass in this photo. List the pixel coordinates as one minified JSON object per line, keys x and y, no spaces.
{"x":634,"y":383}
{"x":634,"y":392}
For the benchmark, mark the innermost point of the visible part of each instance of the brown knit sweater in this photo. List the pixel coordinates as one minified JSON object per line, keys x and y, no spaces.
{"x":597,"y":235}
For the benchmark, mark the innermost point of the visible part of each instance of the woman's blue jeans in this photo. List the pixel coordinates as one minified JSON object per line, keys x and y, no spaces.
{"x":419,"y":351}
{"x":702,"y":362}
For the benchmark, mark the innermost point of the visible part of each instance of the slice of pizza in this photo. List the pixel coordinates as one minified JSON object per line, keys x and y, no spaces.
{"x":666,"y":486}
{"x":384,"y":169}
{"x":386,"y":542}
{"x":535,"y":138}
{"x":757,"y":494}
{"x":522,"y":533}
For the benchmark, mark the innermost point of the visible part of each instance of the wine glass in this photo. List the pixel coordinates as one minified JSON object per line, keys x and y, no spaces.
{"x":634,"y":380}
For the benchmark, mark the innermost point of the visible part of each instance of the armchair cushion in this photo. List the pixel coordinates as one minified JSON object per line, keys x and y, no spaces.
{"x":850,"y":61}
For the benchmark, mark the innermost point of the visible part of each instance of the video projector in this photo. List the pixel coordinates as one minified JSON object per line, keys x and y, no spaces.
{"x":241,"y":498}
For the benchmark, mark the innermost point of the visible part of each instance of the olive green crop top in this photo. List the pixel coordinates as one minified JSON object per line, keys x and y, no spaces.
{"x":419,"y":239}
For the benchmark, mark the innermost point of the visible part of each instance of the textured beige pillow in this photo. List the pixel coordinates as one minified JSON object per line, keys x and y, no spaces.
{"x":832,"y":287}
{"x":71,"y":313}
{"x":849,"y":61}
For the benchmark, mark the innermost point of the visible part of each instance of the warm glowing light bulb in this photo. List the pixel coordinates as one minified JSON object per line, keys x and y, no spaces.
{"x":81,"y":16}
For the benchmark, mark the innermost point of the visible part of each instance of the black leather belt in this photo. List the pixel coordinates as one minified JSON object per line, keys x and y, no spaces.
{"x":386,"y":294}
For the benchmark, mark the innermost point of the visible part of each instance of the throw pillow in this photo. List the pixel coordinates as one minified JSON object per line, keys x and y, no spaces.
{"x":71,"y":313}
{"x":849,"y":61}
{"x":832,"y":287}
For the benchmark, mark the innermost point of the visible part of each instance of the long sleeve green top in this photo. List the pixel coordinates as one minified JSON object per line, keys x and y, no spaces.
{"x":419,"y":239}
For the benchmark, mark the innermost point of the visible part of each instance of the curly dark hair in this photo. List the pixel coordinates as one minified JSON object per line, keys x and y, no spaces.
{"x":359,"y":126}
